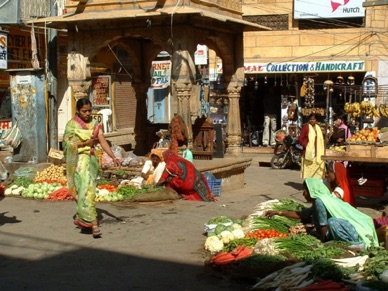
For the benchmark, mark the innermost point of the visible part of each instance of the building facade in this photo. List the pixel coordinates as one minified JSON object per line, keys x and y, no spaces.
{"x":310,"y":43}
{"x":112,"y":47}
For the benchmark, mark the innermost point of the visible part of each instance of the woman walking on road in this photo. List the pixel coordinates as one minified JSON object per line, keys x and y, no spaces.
{"x":82,"y":134}
{"x":311,"y":138}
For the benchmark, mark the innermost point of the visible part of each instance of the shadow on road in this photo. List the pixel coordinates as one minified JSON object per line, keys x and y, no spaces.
{"x":296,"y":186}
{"x":8,"y":219}
{"x":83,"y":268}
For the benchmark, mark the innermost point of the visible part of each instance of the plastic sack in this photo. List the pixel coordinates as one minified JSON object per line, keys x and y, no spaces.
{"x":25,"y":172}
{"x":3,"y":172}
{"x":128,"y":158}
{"x":12,"y":137}
{"x":107,"y":161}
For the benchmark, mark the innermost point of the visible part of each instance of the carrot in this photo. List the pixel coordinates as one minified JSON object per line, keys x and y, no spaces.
{"x":238,"y":250}
{"x":244,"y":253}
{"x":223,"y":258}
{"x":61,"y":194}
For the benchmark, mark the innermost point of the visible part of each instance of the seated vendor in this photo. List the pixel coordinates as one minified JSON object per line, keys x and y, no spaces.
{"x":333,"y":218}
{"x":341,"y":131}
{"x":337,"y":177}
{"x":154,"y":167}
{"x":182,"y":176}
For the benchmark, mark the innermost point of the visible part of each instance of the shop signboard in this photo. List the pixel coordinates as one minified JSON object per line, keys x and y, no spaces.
{"x":3,"y":50}
{"x":4,"y":126}
{"x":321,"y":9}
{"x":200,"y":55}
{"x":160,"y":74}
{"x":100,"y":91}
{"x":304,"y":67}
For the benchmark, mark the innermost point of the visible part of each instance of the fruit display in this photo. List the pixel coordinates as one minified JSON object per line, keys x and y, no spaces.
{"x":368,"y":134}
{"x":365,"y":107}
{"x":383,"y":109}
{"x":337,"y":148}
{"x":353,"y":109}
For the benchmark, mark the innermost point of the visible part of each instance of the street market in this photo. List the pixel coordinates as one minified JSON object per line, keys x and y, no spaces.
{"x":147,"y":239}
{"x":93,"y":201}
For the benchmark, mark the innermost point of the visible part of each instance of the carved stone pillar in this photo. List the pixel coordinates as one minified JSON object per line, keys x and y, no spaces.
{"x":183,"y":79}
{"x":78,"y":74}
{"x":183,"y":93}
{"x":234,"y":124}
{"x":141,"y":118}
{"x":80,"y":88}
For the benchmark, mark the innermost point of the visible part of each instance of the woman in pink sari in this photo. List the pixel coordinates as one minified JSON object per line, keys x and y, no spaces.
{"x":183,"y":177}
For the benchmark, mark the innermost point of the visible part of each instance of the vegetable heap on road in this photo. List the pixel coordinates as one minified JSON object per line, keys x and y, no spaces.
{"x":280,"y":254}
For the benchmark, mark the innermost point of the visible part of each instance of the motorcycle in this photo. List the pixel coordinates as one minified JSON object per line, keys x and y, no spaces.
{"x":287,"y":154}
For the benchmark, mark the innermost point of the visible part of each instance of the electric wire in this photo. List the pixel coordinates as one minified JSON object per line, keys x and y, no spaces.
{"x":118,"y":60}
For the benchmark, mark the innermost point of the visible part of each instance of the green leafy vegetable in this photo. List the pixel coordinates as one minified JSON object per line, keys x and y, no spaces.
{"x":248,"y":242}
{"x":219,"y":219}
{"x":326,"y":269}
{"x":130,"y":191}
{"x":22,"y":181}
{"x":262,"y":260}
{"x":307,"y":247}
{"x":270,"y":223}
{"x":377,"y":262}
{"x":287,"y":204}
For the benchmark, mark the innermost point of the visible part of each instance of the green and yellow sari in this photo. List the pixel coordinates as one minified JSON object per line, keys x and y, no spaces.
{"x":81,"y":168}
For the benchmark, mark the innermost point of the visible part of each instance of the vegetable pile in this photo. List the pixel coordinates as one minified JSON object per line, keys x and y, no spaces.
{"x":51,"y":174}
{"x":50,"y":184}
{"x":297,"y":260}
{"x":109,"y":193}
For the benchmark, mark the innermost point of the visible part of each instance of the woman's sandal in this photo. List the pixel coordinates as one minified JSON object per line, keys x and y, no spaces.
{"x":96,"y":231}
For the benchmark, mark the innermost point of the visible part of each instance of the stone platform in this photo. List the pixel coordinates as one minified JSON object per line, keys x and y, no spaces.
{"x":230,"y":170}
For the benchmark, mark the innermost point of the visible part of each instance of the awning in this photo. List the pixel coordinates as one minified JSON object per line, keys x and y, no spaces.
{"x":89,"y":18}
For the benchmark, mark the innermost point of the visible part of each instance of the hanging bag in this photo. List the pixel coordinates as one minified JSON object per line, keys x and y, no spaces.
{"x":12,"y":137}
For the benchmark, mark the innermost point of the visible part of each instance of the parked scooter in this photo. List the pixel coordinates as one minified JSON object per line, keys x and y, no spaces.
{"x":287,"y":154}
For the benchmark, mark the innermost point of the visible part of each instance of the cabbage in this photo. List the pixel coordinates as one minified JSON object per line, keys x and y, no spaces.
{"x":219,"y":228}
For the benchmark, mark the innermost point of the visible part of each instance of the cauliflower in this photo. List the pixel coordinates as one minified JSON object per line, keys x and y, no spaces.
{"x":226,"y":236}
{"x":236,"y":226}
{"x":238,"y":233}
{"x":213,"y":244}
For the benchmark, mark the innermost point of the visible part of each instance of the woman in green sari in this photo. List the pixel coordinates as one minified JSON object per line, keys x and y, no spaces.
{"x":82,"y":134}
{"x":333,"y":218}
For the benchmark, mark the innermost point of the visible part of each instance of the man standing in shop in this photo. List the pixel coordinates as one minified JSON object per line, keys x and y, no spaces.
{"x":271,"y":107}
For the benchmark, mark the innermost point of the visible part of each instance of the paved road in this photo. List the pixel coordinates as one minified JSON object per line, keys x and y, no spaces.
{"x":144,"y":247}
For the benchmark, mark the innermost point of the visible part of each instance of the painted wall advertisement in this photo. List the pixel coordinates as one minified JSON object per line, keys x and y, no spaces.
{"x":3,"y":50}
{"x":160,"y":74}
{"x":328,"y":9}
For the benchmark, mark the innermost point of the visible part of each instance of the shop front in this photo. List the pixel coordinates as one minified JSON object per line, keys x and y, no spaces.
{"x":15,"y":51}
{"x":299,"y":89}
